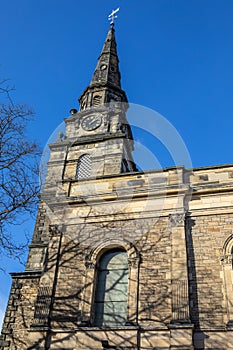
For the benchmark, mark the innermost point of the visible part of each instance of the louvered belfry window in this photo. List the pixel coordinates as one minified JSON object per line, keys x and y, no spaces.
{"x":83,"y":170}
{"x":96,"y":100}
{"x":42,"y":305}
{"x":111,"y":294}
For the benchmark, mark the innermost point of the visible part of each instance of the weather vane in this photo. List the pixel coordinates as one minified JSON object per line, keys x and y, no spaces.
{"x":112,"y":16}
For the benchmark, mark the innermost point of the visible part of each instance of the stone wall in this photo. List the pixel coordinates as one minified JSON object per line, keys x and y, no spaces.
{"x":179,"y":246}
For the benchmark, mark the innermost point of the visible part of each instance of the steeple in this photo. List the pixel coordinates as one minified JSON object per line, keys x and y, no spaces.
{"x":105,"y":85}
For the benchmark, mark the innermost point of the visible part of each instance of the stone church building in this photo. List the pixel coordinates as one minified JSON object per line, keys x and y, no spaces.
{"x":123,"y":259}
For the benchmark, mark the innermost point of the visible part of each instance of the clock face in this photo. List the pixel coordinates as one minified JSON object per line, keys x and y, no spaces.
{"x":92,"y":122}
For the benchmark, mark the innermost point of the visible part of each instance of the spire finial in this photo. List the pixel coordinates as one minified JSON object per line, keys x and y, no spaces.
{"x":113,"y":16}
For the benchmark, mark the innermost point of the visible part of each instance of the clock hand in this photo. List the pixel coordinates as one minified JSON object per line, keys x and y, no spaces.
{"x":93,"y":122}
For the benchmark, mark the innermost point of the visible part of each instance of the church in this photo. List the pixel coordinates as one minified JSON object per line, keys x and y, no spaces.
{"x":120,"y":258}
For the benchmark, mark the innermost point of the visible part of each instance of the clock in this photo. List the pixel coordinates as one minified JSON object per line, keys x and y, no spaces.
{"x":91,"y":122}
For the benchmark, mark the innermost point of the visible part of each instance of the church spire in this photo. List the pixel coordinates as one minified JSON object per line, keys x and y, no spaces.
{"x":105,"y":85}
{"x":107,"y":69}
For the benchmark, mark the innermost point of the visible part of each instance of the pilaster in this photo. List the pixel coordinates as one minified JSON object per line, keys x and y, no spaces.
{"x":181,"y":329}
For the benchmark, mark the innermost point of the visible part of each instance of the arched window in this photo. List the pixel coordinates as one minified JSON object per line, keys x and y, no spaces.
{"x":227,"y":263}
{"x":111,"y":296}
{"x":83,"y":170}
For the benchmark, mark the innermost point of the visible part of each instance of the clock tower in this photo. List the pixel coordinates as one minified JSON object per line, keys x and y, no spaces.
{"x":99,"y":136}
{"x":122,"y":259}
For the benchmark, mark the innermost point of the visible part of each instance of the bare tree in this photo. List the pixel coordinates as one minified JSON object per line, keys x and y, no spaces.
{"x":19,"y":186}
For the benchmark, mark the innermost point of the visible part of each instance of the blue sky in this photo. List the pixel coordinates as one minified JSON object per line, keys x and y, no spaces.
{"x":176,"y":57}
